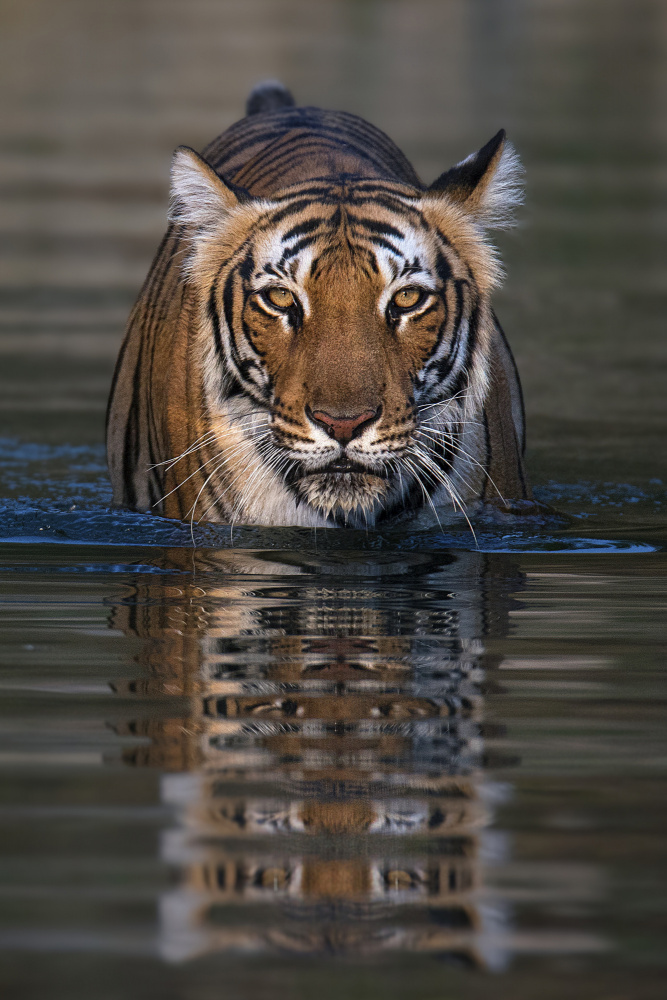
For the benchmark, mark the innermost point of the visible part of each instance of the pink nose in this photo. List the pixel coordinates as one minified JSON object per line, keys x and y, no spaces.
{"x":343,"y":429}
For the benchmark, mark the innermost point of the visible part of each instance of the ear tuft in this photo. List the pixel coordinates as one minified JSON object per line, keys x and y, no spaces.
{"x":487,"y":184}
{"x":505,"y":192}
{"x":199,"y":197}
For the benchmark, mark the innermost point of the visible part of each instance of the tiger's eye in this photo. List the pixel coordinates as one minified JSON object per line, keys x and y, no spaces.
{"x":407,"y":298}
{"x":281,"y":298}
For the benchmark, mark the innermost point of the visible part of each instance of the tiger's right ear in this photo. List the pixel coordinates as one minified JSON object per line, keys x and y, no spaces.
{"x":199,"y":197}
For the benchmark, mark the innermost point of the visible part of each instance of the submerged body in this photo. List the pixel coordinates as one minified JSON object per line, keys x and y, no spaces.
{"x":315,"y":344}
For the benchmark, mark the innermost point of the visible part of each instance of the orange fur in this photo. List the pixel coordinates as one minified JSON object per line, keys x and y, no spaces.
{"x":213,"y":412}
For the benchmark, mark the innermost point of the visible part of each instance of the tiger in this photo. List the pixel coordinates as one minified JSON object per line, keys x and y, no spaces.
{"x":315,"y":344}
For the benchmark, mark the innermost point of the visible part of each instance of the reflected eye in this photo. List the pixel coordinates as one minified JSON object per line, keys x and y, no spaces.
{"x":272,"y":878}
{"x":279,"y":297}
{"x":399,"y":879}
{"x":408,"y":298}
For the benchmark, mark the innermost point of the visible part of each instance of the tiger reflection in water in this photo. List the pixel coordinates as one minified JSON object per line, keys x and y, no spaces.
{"x":326,"y":757}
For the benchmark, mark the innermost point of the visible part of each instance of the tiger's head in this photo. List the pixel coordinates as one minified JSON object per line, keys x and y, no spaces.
{"x":344,"y":332}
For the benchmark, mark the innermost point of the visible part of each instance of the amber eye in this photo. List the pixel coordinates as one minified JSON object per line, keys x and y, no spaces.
{"x":407,"y":298}
{"x":279,"y":297}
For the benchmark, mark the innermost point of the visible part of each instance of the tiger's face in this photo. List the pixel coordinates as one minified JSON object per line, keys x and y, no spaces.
{"x":344,"y":330}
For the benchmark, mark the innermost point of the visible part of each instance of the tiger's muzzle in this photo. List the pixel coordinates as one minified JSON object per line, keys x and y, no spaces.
{"x":344,"y":428}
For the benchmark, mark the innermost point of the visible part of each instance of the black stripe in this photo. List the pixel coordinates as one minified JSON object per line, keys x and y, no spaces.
{"x":320,"y":191}
{"x":243,"y":367}
{"x":444,"y":366}
{"x":292,"y":209}
{"x":256,"y":308}
{"x":246,"y":267}
{"x":487,"y":461}
{"x":228,"y":308}
{"x":275,"y":272}
{"x":215,"y":319}
{"x":394,"y":205}
{"x":379,"y":241}
{"x":430,"y":309}
{"x":292,"y":251}
{"x":519,"y":466}
{"x":130,"y":450}
{"x":463,"y":367}
{"x":302,"y":228}
{"x":153,"y":492}
{"x":232,"y":386}
{"x":374,"y":185}
{"x":443,"y":268}
{"x":462,"y":376}
{"x":379,"y":228}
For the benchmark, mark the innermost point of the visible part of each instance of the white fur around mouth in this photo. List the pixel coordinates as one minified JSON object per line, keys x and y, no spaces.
{"x":342,"y":492}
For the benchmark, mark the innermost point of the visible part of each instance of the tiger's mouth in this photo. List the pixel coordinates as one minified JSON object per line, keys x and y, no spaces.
{"x":341,"y":487}
{"x":345,"y":466}
{"x":336,"y":470}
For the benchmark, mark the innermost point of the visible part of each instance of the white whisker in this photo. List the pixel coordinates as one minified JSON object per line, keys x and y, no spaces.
{"x":200,"y":468}
{"x":443,"y":478}
{"x":201,"y":441}
{"x":240,"y":474}
{"x":427,"y":495}
{"x":191,"y":512}
{"x":466,"y":457}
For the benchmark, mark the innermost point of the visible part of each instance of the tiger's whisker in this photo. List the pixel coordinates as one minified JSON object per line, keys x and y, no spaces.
{"x":199,"y":468}
{"x":444,"y":479}
{"x":195,"y":446}
{"x":425,"y":492}
{"x":469,"y":459}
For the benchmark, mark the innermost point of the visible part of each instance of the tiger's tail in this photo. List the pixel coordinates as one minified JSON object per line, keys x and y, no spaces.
{"x":269,"y":95}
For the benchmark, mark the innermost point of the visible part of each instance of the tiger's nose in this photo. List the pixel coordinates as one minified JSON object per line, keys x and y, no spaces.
{"x":344,"y":429}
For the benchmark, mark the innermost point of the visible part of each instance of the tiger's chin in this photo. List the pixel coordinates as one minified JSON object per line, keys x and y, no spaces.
{"x":343,"y":494}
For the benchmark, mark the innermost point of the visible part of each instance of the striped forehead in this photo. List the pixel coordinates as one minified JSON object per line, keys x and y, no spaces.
{"x":386,"y":238}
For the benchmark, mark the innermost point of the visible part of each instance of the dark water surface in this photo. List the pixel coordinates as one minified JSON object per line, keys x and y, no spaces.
{"x":274,"y":764}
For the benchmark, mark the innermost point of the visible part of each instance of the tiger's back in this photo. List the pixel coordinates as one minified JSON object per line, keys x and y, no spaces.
{"x":196,"y":423}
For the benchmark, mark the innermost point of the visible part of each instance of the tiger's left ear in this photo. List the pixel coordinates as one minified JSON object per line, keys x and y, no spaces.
{"x":199,"y":197}
{"x":487,"y":184}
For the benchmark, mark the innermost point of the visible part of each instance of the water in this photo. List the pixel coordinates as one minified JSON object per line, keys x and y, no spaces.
{"x":343,"y":769}
{"x":277,"y":763}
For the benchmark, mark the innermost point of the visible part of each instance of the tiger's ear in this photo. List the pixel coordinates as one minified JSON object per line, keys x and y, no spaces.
{"x":487,"y":184}
{"x":199,"y":197}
